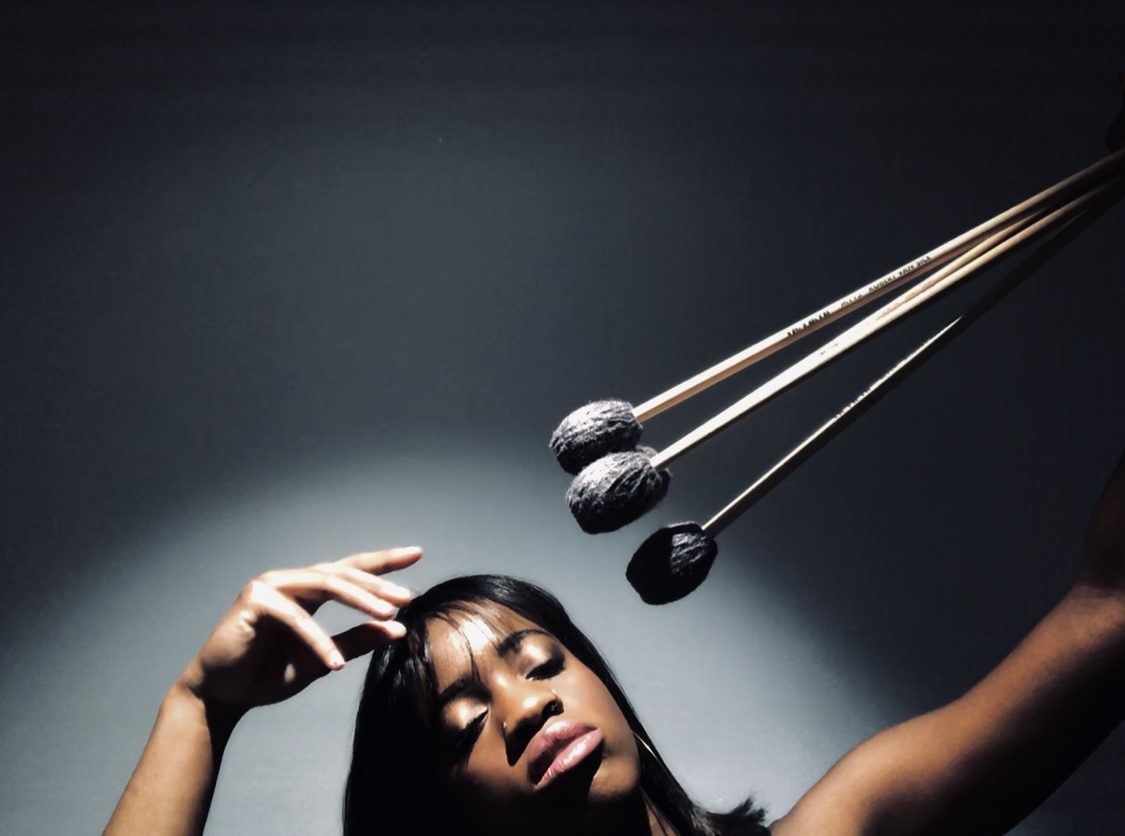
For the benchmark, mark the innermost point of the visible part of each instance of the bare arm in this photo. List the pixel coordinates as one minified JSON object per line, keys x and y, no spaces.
{"x":982,"y":763}
{"x":170,"y":791}
{"x":266,"y":649}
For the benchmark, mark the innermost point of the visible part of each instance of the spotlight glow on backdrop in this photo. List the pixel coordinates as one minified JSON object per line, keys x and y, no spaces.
{"x":721,"y":679}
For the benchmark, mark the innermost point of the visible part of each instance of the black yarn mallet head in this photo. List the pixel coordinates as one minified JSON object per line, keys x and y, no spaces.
{"x":615,"y":490}
{"x":595,"y":430}
{"x":672,"y":563}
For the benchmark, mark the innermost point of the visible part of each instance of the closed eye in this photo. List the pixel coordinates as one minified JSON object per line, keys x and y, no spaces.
{"x":466,"y":739}
{"x":548,"y":669}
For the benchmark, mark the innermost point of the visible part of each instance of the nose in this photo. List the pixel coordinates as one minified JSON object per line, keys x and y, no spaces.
{"x":527,"y":705}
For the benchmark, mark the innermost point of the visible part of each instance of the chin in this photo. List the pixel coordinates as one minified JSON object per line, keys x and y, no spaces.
{"x":614,"y":783}
{"x":597,"y":796}
{"x":595,"y":799}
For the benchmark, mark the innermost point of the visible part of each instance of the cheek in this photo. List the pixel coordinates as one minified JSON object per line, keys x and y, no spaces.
{"x":486,"y":777}
{"x":488,"y":794}
{"x":586,"y":697}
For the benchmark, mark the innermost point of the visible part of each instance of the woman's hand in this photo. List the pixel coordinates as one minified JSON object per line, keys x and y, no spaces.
{"x":265,"y":649}
{"x":268,"y":646}
{"x":1103,"y":558}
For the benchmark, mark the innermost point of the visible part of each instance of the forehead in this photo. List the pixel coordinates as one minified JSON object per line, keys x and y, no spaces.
{"x":459,"y":640}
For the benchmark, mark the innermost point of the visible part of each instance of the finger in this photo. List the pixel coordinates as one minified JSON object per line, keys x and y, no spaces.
{"x":317,"y":587}
{"x":385,"y":588}
{"x":270,"y":603}
{"x":387,"y":560}
{"x":371,"y":635}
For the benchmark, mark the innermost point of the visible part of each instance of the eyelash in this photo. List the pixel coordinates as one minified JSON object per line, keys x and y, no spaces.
{"x":548,"y":669}
{"x":467,"y":738}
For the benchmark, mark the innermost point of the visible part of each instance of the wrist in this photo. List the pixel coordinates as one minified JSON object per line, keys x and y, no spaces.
{"x":184,"y":704}
{"x":1105,"y":601}
{"x":1102,"y":572}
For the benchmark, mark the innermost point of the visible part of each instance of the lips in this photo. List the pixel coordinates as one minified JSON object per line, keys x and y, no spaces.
{"x":559,"y":747}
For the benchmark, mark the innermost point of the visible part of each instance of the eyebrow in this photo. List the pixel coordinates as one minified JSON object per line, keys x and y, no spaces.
{"x":509,"y":644}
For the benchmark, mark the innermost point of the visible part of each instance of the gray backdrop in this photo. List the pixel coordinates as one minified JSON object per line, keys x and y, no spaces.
{"x":287,"y":281}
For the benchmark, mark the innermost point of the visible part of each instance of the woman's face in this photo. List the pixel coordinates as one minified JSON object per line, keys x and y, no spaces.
{"x":530,"y":739}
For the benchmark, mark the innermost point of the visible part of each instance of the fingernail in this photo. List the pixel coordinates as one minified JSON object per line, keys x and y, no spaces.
{"x":396,"y":629}
{"x":336,"y":659}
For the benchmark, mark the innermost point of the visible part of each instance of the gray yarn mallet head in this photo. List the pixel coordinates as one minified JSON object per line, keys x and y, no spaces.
{"x":595,"y":430}
{"x":615,"y":490}
{"x":671,"y":563}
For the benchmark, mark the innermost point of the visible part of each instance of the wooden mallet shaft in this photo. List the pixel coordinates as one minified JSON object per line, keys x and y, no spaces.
{"x":974,"y":260}
{"x":858,"y":298}
{"x":831,"y":428}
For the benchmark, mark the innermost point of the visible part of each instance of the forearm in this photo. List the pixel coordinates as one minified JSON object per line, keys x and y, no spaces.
{"x":170,"y":791}
{"x":1003,"y":747}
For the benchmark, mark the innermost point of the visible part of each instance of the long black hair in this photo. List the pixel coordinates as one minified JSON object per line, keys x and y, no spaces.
{"x":393,"y":785}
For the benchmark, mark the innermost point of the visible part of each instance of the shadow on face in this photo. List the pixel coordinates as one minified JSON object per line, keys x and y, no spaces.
{"x":530,"y":739}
